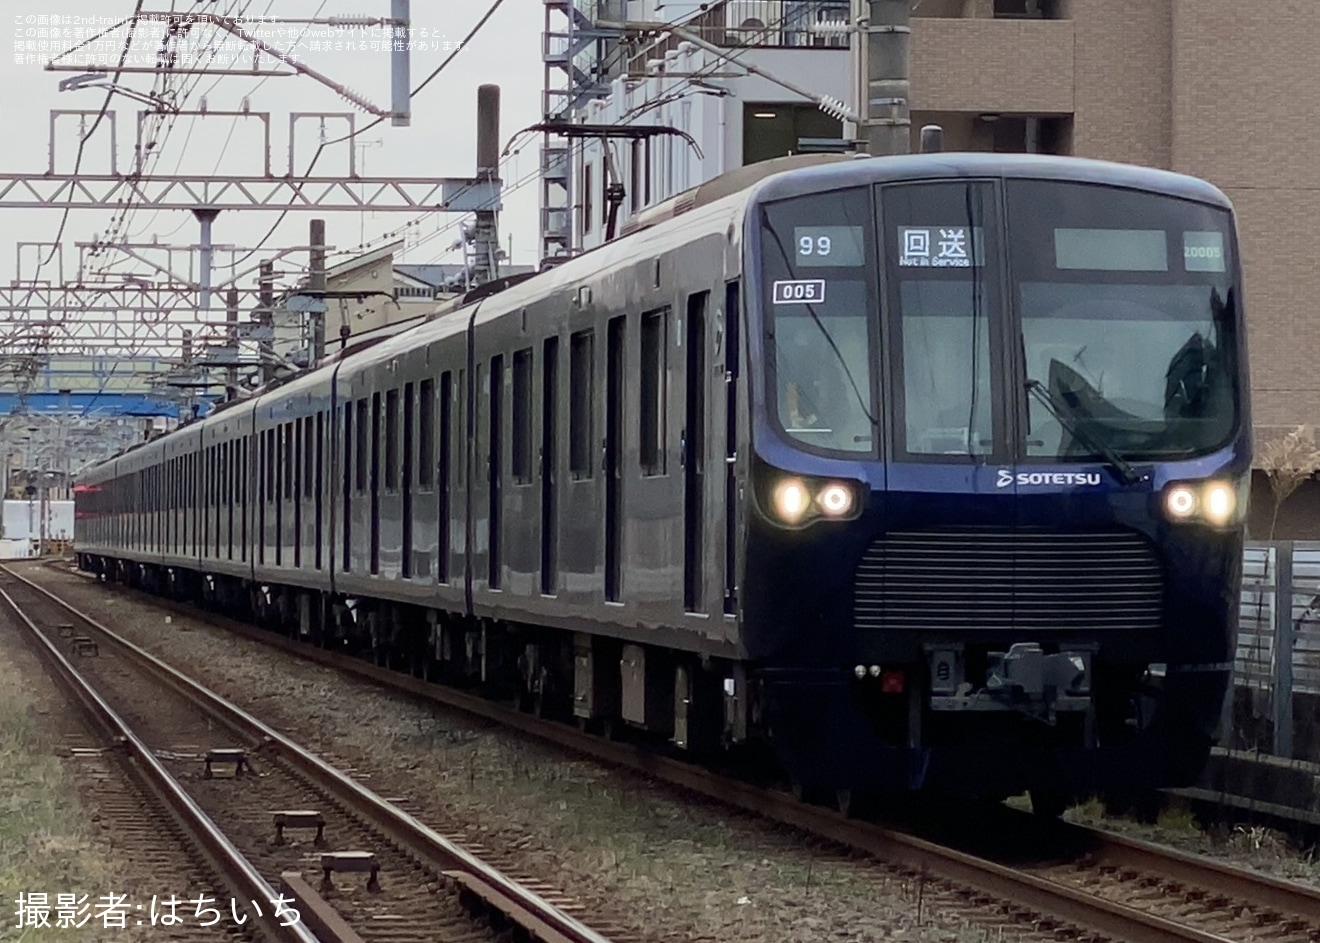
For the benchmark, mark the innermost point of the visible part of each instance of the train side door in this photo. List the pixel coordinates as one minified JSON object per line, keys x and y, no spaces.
{"x":732,"y":323}
{"x":612,"y":466}
{"x":549,"y":472}
{"x":694,"y":455}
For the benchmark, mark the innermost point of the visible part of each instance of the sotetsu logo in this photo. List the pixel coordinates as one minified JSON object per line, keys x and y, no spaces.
{"x":1007,"y":478}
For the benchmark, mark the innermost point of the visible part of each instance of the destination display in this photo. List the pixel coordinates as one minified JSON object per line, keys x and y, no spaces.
{"x":835,"y":246}
{"x":1111,"y":250}
{"x":941,"y":246}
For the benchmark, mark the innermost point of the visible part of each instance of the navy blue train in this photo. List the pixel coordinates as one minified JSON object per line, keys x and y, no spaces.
{"x":929,"y":472}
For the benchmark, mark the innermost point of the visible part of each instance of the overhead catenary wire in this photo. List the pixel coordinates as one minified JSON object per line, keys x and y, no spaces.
{"x":158,"y":137}
{"x":495,"y":5}
{"x":510,"y":150}
{"x":677,"y":93}
{"x":234,"y":121}
{"x":96,"y":123}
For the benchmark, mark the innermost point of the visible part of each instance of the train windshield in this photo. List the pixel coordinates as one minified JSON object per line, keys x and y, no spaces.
{"x":1127,"y":321}
{"x":819,"y":281}
{"x":1028,"y":321}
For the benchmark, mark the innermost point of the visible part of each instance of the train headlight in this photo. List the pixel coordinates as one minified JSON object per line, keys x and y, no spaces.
{"x":1219,"y":501}
{"x":798,"y":501}
{"x":1209,"y":502}
{"x":1181,"y":502}
{"x":792,"y":500}
{"x":835,"y":500}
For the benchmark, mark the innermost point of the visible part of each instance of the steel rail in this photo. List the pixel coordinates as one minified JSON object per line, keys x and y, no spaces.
{"x":548,"y":923}
{"x":1264,"y":890}
{"x":1028,"y":890}
{"x":228,"y":861}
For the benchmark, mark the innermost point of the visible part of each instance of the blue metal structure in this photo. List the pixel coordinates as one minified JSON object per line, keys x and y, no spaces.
{"x":109,"y":405}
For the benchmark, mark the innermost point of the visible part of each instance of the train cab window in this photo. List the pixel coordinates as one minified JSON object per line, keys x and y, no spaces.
{"x":653,"y":391}
{"x":1092,"y":263}
{"x":819,"y":293}
{"x":944,"y":309}
{"x":522,"y":416}
{"x":580,"y":358}
{"x":426,"y":434}
{"x":392,"y":440}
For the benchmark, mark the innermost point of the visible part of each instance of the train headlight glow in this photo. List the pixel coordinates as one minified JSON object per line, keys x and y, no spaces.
{"x":1216,"y":503}
{"x":835,"y":500}
{"x":1219,"y":501}
{"x":792,"y":500}
{"x":1181,"y":502}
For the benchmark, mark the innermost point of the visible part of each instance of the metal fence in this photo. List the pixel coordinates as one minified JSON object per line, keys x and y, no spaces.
{"x":1277,"y":671}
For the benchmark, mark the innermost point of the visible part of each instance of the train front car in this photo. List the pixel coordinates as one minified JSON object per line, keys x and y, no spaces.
{"x":1001,"y":449}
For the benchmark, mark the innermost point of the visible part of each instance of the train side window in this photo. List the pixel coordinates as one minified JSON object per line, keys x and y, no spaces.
{"x":299,"y":448}
{"x":461,"y":398}
{"x":392,"y":440}
{"x":362,"y":445}
{"x":409,"y":431}
{"x":522,"y":416}
{"x":653,"y":390}
{"x":426,"y":434}
{"x":580,"y":403}
{"x":270,"y":464}
{"x":290,"y":460}
{"x":308,"y":455}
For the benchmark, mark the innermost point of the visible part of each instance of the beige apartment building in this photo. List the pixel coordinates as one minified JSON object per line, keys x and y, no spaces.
{"x":1221,"y":89}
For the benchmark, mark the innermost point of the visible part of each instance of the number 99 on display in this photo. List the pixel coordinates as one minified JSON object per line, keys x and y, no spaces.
{"x":818,"y":245}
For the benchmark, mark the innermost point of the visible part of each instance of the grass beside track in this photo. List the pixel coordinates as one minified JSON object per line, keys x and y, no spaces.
{"x":45,"y":846}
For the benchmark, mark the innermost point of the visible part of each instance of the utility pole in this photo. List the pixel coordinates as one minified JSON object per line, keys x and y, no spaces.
{"x":883,"y":44}
{"x":231,"y":339}
{"x":206,"y":263}
{"x":316,"y":284}
{"x":266,"y":318}
{"x":485,"y":233}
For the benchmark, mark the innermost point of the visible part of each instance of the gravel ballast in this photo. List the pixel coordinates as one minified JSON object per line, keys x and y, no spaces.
{"x":672,"y":867}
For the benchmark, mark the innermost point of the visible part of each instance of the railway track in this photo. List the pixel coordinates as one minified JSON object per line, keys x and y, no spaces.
{"x":1109,"y":887}
{"x":354,"y":865}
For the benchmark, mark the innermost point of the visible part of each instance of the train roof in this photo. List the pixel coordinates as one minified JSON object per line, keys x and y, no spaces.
{"x":976,"y":164}
{"x":718,"y":202}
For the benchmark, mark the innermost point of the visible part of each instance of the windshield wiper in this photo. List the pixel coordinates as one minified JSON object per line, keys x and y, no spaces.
{"x":1120,"y":464}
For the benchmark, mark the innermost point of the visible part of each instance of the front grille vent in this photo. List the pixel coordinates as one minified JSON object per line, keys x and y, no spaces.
{"x":1002,"y":579}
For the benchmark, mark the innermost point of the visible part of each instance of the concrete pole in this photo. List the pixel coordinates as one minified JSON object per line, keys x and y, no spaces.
{"x":205,"y":216}
{"x":266,"y":318}
{"x":316,"y":284}
{"x":485,"y":234}
{"x":400,"y":65}
{"x":231,"y":337}
{"x":888,"y":109}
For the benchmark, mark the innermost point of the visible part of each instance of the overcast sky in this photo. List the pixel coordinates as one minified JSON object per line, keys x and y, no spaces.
{"x":440,"y":142}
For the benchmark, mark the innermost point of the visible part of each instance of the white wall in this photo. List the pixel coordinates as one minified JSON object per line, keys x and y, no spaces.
{"x":22,"y":520}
